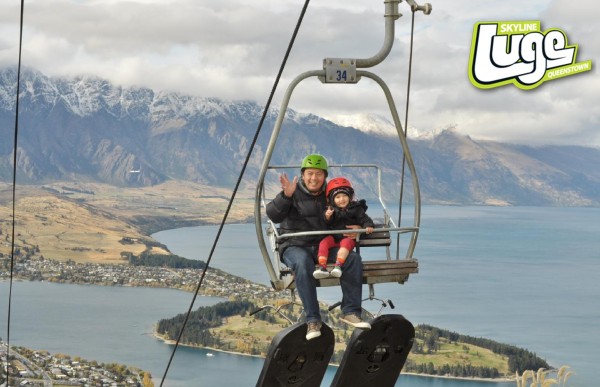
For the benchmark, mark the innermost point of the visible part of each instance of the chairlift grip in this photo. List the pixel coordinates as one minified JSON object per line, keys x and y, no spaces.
{"x":425,"y":8}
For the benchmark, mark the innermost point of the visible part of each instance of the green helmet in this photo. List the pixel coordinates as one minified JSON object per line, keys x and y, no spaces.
{"x":314,"y":161}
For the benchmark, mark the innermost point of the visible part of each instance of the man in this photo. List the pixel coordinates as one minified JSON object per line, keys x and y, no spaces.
{"x":299,"y":207}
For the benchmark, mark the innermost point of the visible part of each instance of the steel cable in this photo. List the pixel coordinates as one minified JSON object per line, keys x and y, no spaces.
{"x":254,"y":140}
{"x":14,"y":191}
{"x":400,"y":199}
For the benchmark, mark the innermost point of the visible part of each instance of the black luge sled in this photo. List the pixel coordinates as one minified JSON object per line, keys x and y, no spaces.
{"x":374,"y":358}
{"x":293,"y":361}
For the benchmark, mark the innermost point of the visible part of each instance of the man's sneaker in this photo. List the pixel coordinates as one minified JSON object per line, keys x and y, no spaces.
{"x":355,"y":321}
{"x":336,"y":272}
{"x":314,"y":330}
{"x":321,"y":273}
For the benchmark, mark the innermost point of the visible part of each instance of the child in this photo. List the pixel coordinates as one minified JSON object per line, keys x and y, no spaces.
{"x":342,"y":211}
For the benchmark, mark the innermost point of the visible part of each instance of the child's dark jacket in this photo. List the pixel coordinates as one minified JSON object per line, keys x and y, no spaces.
{"x":355,"y":213}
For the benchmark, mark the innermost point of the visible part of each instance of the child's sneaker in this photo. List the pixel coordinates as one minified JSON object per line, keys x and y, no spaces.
{"x":321,"y":273}
{"x":336,"y":272}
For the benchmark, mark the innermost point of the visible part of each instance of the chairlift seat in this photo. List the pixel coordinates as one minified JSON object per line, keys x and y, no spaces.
{"x":374,"y":271}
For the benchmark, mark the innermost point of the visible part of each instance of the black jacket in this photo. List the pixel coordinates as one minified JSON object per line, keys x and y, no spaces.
{"x":354,"y":214}
{"x":302,"y":212}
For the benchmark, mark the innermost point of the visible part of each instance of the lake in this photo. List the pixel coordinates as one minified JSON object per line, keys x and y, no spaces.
{"x":519,"y":275}
{"x":526,"y":276}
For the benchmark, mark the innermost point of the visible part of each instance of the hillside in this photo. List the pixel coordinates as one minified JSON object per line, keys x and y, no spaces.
{"x":87,"y":222}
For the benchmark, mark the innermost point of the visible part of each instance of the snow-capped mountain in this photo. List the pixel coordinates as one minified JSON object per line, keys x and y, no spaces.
{"x":378,"y":125}
{"x":87,"y":128}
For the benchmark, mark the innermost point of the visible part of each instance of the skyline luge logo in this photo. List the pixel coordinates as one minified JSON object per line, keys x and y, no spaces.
{"x":518,"y":52}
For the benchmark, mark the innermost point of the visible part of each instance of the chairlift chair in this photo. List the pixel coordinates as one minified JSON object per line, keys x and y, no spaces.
{"x":391,"y":267}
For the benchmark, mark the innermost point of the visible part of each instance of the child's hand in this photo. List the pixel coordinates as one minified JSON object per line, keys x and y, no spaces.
{"x":329,"y":212}
{"x":369,"y":230}
{"x":352,"y":235}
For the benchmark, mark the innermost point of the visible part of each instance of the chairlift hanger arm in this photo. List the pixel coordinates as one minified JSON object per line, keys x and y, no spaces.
{"x":425,"y":8}
{"x":273,"y":140}
{"x":336,"y":68}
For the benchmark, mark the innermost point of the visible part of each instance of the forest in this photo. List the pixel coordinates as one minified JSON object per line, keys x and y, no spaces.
{"x":197,"y":330}
{"x":428,"y":339}
{"x":163,"y":260}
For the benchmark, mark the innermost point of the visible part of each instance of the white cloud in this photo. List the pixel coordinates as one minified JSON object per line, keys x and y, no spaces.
{"x":233,"y":49}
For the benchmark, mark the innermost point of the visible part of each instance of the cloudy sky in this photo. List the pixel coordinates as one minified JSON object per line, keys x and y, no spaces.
{"x":232,"y":49}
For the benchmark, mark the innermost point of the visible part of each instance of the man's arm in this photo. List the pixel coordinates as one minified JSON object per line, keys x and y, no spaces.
{"x":279,"y":207}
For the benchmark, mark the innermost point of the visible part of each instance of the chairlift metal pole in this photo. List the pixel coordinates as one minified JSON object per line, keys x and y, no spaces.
{"x":342,"y":70}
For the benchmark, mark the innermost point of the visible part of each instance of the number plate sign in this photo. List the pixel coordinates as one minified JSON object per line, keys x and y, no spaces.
{"x":340,"y":70}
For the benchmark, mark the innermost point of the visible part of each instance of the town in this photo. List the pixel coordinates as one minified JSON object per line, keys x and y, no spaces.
{"x":26,"y":367}
{"x":216,"y":282}
{"x":38,"y":367}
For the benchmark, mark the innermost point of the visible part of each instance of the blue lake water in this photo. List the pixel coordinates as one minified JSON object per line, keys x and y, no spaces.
{"x":523,"y":276}
{"x":114,"y":324}
{"x":526,"y":276}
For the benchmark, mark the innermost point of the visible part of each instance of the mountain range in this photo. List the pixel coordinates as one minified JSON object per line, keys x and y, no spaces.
{"x":85,"y":128}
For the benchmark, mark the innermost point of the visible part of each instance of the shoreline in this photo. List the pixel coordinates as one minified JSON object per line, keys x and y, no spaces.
{"x":172,"y":342}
